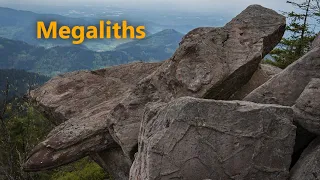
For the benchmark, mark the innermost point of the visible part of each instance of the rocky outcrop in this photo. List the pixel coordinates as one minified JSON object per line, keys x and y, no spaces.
{"x":102,"y":110}
{"x":307,"y":107}
{"x":307,"y":168}
{"x":210,"y":63}
{"x":193,"y":138}
{"x":286,"y":87}
{"x":307,"y":117}
{"x":68,"y":95}
{"x":81,"y":99}
{"x":262,"y":75}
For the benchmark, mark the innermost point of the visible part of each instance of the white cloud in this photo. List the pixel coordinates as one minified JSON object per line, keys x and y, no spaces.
{"x":229,"y":6}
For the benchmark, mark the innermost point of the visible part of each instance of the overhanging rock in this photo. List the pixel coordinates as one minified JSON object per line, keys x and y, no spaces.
{"x":80,"y":99}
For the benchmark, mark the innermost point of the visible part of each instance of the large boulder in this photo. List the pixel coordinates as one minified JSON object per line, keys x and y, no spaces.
{"x":191,"y":138}
{"x":307,"y":168}
{"x":262,"y":75}
{"x":68,"y":95}
{"x":286,"y":87}
{"x":80,"y":98}
{"x":307,"y":107}
{"x":210,"y":63}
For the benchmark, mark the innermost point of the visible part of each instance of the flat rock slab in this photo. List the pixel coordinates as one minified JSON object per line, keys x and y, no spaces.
{"x":191,"y":139}
{"x":68,"y":95}
{"x":286,"y":87}
{"x":307,"y":168}
{"x":307,"y":107}
{"x":83,"y":99}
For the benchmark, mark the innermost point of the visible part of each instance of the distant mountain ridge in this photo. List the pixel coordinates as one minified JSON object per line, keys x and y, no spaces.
{"x":170,"y":35}
{"x":21,"y":25}
{"x":61,"y":59}
{"x":56,"y":60}
{"x":158,"y":46}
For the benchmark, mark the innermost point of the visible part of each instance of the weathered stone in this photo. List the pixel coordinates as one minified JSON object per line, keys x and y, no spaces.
{"x":262,"y":75}
{"x":56,"y":151}
{"x":307,"y":108}
{"x":307,"y":168}
{"x":68,"y":95}
{"x":191,"y":138}
{"x":84,"y":99}
{"x":316,"y":42}
{"x":286,"y":87}
{"x":210,"y":63}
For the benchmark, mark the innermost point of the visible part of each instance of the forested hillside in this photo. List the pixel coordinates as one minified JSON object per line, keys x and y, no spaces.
{"x":61,"y":59}
{"x":19,"y":81}
{"x":157,"y":46}
{"x":21,"y":25}
{"x":22,"y":127}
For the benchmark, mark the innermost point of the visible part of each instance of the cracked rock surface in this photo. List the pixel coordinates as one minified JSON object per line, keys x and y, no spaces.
{"x":193,"y":139}
{"x":80,"y":99}
{"x":286,"y":87}
{"x":209,"y":63}
{"x":103,"y":109}
{"x":307,"y":107}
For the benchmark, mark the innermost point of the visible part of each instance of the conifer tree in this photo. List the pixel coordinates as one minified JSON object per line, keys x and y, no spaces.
{"x":299,"y":35}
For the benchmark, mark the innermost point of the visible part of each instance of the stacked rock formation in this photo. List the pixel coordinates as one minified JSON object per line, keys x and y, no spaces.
{"x":177,"y":119}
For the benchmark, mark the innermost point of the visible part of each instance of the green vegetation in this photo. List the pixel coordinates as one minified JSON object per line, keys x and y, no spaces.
{"x":22,"y":127}
{"x":84,"y":169}
{"x":20,"y":25}
{"x":20,"y":82}
{"x":299,"y":36}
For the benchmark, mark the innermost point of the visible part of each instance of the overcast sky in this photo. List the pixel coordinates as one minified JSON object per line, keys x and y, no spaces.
{"x":188,"y":5}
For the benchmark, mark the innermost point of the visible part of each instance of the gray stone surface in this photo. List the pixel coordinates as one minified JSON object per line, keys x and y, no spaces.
{"x":80,"y":98}
{"x":307,"y":107}
{"x":68,"y":95}
{"x":262,"y":75}
{"x":316,"y":42}
{"x":210,"y":63}
{"x":286,"y":87}
{"x":307,"y":168}
{"x":192,"y":139}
